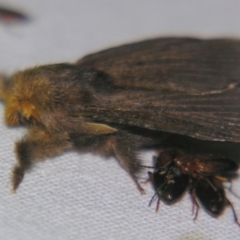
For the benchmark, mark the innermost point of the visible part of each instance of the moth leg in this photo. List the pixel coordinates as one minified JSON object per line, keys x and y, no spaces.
{"x":124,"y":147}
{"x":35,"y":146}
{"x":128,"y":161}
{"x":121,"y":145}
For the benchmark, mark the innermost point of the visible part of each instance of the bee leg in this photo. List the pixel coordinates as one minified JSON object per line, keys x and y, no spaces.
{"x":234,"y":213}
{"x":36,"y":145}
{"x":230,"y":189}
{"x":158,"y":205}
{"x":149,"y":179}
{"x":194,"y":204}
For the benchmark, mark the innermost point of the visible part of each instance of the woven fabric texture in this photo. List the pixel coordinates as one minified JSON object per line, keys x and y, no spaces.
{"x":84,"y":196}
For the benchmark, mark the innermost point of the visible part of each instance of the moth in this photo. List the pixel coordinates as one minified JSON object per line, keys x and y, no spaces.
{"x":118,"y":101}
{"x":12,"y":16}
{"x":175,"y":172}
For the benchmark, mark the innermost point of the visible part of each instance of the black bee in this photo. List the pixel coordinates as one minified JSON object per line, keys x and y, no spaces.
{"x":203,"y":176}
{"x":167,"y":179}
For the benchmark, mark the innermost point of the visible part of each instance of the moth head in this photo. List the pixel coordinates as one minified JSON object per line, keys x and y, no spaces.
{"x":18,"y":97}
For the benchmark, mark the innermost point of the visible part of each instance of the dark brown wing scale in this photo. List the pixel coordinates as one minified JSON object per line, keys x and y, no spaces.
{"x":178,"y":85}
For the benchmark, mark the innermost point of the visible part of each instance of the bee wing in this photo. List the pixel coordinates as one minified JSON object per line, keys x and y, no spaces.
{"x":178,"y":85}
{"x":217,"y":166}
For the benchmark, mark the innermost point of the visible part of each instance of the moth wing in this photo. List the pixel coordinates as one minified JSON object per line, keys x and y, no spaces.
{"x":186,"y":65}
{"x":178,"y":85}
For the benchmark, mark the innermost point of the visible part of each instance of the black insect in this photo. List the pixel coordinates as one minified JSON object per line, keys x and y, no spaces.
{"x":168,"y":181}
{"x":175,"y":171}
{"x":11,"y":16}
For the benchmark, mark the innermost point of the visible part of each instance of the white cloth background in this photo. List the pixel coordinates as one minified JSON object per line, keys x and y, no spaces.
{"x":84,"y":196}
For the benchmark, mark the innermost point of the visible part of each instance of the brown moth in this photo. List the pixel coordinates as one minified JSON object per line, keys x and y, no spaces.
{"x":120,"y":100}
{"x":11,"y":16}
